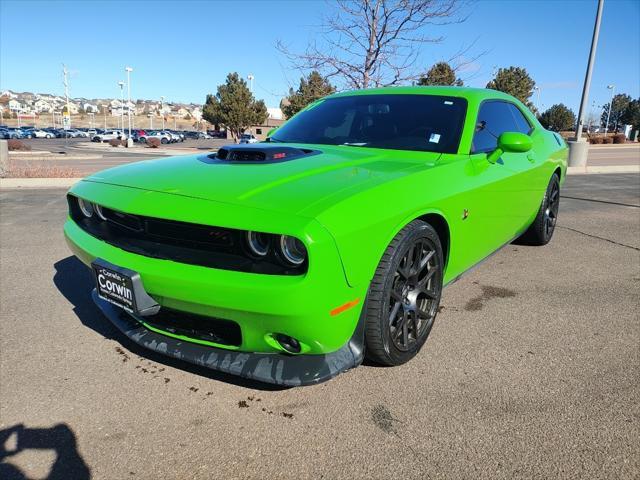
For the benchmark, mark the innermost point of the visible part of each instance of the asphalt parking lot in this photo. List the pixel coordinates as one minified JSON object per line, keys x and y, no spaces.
{"x":532,"y":371}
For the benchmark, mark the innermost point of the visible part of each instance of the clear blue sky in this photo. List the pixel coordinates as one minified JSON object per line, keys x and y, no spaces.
{"x":183,"y":50}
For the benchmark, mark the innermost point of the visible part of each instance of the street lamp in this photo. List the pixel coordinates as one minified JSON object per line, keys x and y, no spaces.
{"x":250,"y":77}
{"x":129,"y":70}
{"x":606,"y":127}
{"x":121,"y":83}
{"x":162,"y":110}
{"x":578,"y":148}
{"x":537,"y":89}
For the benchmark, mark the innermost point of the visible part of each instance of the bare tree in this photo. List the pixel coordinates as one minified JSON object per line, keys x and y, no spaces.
{"x":371,"y":43}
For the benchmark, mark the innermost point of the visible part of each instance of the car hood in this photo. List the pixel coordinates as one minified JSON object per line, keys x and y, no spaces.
{"x":302,"y":186}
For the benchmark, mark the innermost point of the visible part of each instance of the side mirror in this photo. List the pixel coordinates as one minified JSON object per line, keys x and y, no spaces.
{"x":515,"y":142}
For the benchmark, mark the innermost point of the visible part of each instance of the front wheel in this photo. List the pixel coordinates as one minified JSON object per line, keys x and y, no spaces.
{"x":541,"y":230}
{"x":404,"y":296}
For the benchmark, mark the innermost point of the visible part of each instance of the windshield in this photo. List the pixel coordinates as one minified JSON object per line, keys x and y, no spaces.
{"x":401,"y":122}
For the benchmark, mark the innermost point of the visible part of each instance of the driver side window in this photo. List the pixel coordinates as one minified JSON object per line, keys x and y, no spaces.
{"x":494,"y":118}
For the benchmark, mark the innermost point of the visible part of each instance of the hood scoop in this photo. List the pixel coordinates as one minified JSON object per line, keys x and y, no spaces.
{"x":257,"y":154}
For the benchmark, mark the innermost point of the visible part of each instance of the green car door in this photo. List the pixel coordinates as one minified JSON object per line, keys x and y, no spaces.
{"x":507,"y":180}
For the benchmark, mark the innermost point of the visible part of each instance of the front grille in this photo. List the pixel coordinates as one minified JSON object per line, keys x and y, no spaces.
{"x":184,"y":242}
{"x":210,"y":329}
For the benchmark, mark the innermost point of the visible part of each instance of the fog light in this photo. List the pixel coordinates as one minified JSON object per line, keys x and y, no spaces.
{"x":290,"y":344}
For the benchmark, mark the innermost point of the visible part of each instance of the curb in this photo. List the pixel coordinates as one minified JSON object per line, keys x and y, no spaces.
{"x":603,"y":169}
{"x":615,"y":145}
{"x":11,"y":183}
{"x":54,"y":158}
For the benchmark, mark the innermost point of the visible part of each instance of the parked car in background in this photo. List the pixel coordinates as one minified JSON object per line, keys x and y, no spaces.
{"x":109,"y":135}
{"x":197,"y":135}
{"x":162,"y":136}
{"x":92,"y":132}
{"x":11,"y":133}
{"x":38,"y":133}
{"x":179,"y":136}
{"x":248,"y":138}
{"x":25,"y":132}
{"x":138,"y":134}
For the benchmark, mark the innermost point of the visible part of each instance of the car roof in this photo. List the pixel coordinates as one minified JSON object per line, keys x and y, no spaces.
{"x":478,"y":94}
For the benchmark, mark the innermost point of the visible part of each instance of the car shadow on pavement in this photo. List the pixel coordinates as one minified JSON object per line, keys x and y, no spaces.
{"x":60,"y":439}
{"x":75,"y":282}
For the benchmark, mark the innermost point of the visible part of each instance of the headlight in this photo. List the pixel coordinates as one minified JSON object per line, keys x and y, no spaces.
{"x":85,"y":207}
{"x":98,"y":210}
{"x":293,"y":250}
{"x":258,"y":243}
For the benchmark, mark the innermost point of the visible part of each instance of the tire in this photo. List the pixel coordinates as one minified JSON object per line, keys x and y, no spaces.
{"x":541,"y":230}
{"x":403,"y":300}
{"x":47,"y":136}
{"x":164,"y":141}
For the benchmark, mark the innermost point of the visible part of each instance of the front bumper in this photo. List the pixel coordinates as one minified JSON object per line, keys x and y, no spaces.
{"x":276,"y":368}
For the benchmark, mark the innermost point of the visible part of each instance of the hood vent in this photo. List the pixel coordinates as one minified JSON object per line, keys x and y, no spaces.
{"x":257,"y":153}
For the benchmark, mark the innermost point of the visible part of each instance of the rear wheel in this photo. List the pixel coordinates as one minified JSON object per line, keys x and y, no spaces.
{"x":541,"y":230}
{"x":404,"y":295}
{"x":164,"y":140}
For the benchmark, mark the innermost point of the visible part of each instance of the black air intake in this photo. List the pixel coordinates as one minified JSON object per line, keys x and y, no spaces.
{"x":257,"y":153}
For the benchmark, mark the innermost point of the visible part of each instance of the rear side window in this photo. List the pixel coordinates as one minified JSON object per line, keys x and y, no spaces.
{"x":495,"y":118}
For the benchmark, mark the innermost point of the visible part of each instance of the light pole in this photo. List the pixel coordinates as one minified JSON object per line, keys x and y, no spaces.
{"x":250,"y":77}
{"x":577,"y":147}
{"x":606,"y":127}
{"x":537,"y":89}
{"x":129,"y":70}
{"x":150,"y":115}
{"x":162,"y":110}
{"x":121,"y":84}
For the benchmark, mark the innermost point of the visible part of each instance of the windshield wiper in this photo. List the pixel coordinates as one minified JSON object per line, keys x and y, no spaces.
{"x":356,"y":144}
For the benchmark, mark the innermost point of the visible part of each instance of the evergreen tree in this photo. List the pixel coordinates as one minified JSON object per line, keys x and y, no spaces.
{"x":234,"y":107}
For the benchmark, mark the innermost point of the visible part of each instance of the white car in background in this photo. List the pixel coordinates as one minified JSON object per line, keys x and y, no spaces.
{"x":109,"y":135}
{"x":37,"y":133}
{"x":248,"y":138}
{"x":164,"y":137}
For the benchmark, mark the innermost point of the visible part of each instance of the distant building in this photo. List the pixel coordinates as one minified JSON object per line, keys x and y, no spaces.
{"x":90,"y":108}
{"x":42,"y":106}
{"x":15,"y":106}
{"x":275,"y":113}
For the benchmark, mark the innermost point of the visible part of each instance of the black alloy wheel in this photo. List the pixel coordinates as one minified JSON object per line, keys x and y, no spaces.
{"x":541,"y":229}
{"x":404,"y":295}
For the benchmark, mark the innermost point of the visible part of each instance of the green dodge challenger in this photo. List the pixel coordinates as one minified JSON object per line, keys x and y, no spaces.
{"x":290,"y":260}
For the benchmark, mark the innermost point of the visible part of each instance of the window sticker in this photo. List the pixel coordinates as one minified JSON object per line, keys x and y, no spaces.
{"x":448,"y":102}
{"x":434,"y":138}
